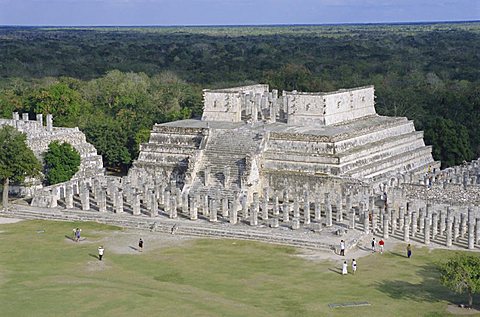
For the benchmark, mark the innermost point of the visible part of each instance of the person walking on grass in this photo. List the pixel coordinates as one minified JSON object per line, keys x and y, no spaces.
{"x":77,"y":234}
{"x":354,"y":266}
{"x":101,"y":250}
{"x":381,"y":243}
{"x":344,"y":268}
{"x":342,"y":248}
{"x":373,"y":244}
{"x":409,"y":251}
{"x":140,"y":245}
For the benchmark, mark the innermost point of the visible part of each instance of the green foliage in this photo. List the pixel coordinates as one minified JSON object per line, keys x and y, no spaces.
{"x":17,"y":160}
{"x":141,"y":76}
{"x":111,"y":140}
{"x":461,"y":274}
{"x":62,"y":161}
{"x":450,"y":141}
{"x":58,"y":99}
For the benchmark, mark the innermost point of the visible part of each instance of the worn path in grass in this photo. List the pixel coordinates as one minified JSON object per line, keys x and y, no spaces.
{"x":44,"y":273}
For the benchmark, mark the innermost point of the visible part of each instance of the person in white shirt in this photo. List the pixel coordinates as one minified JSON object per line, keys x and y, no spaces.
{"x":344,"y":268}
{"x":101,"y":250}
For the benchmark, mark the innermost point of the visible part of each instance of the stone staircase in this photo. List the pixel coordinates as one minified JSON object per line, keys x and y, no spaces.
{"x":306,"y":239}
{"x":226,"y":148}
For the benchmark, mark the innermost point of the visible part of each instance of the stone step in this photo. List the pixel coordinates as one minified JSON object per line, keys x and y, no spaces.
{"x":389,"y":150}
{"x":414,"y":157}
{"x":184,"y":227}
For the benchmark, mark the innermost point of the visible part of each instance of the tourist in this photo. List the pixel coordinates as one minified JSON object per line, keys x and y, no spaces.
{"x":344,"y":268}
{"x":100,"y":252}
{"x":354,"y":266}
{"x":174,"y":229}
{"x":409,"y":250}
{"x":140,"y":245}
{"x":342,"y":248}
{"x":373,"y":244}
{"x":77,"y":234}
{"x":74,"y":234}
{"x":381,"y":243}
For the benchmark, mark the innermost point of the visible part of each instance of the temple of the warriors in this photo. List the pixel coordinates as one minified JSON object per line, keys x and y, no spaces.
{"x":249,"y":138}
{"x":301,"y":169}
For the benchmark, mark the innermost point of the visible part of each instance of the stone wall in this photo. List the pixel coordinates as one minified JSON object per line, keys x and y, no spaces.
{"x":40,"y":136}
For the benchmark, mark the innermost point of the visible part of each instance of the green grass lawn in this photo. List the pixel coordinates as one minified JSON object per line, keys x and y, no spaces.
{"x":44,"y":274}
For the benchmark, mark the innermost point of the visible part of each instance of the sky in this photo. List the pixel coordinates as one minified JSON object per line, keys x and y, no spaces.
{"x":231,"y":12}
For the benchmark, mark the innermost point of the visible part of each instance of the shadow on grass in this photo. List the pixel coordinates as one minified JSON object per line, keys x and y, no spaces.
{"x":94,"y":256}
{"x":428,"y":290}
{"x":398,"y":254}
{"x":133,"y":248}
{"x":69,"y":238}
{"x":335,"y":270}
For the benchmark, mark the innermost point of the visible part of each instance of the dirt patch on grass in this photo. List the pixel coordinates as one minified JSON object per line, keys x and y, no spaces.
{"x":5,"y":220}
{"x":126,"y":241}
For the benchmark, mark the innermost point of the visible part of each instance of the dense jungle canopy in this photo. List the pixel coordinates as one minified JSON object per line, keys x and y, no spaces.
{"x":116,"y":82}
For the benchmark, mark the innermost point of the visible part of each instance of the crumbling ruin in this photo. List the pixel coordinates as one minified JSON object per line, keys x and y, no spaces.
{"x":297,"y":169}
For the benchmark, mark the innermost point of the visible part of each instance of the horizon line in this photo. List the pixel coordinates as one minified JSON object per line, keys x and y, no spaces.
{"x":240,"y":25}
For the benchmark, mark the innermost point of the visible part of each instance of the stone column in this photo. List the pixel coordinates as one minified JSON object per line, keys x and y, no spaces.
{"x":166,"y":205}
{"x":40,"y":119}
{"x":295,"y":224}
{"x":401,"y":218}
{"x":296,"y":209}
{"x":456,"y":228}
{"x":207,"y":172}
{"x":366,"y":222}
{"x":443,"y":221}
{"x":385,"y":225}
{"x":136,"y":204}
{"x":213,"y":210}
{"x":426,"y":237}
{"x":318,"y":215}
{"x":286,"y":211}
{"x":49,"y":123}
{"x":233,"y":212}
{"x":69,"y":196}
{"x":205,"y":206}
{"x":471,"y":229}
{"x":406,"y":227}
{"x":102,"y":200}
{"x":414,"y":224}
{"x":463,"y":225}
{"x":339,"y":211}
{"x":85,"y":197}
{"x":275,"y":210}
{"x":225,"y":207}
{"x":53,"y":198}
{"x":193,"y":208}
{"x":153,"y":204}
{"x":243,"y":201}
{"x":173,"y":208}
{"x":434,"y":225}
{"x":265,"y":209}
{"x":119,"y":201}
{"x":449,"y":230}
{"x":328,"y":211}
{"x":184,"y":198}
{"x":351,"y":219}
{"x":422,"y":219}
{"x":394,"y":221}
{"x":306,"y":212}
{"x":254,"y":213}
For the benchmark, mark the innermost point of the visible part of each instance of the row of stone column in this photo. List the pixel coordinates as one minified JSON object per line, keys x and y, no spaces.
{"x":428,"y":224}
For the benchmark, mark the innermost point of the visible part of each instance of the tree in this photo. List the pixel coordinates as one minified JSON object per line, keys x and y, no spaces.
{"x":62,"y":161}
{"x":461,"y":274}
{"x":17,"y":160}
